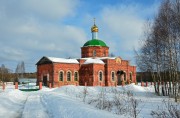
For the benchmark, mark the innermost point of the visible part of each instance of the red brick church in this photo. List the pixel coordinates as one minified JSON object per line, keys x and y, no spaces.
{"x":94,"y":68}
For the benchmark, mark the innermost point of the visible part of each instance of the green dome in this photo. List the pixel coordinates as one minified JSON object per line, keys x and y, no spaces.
{"x":95,"y":42}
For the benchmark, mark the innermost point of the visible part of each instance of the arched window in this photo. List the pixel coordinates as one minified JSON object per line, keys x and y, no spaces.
{"x":94,"y":53}
{"x":100,"y":75}
{"x":124,"y":76}
{"x":68,"y":76}
{"x":76,"y":76}
{"x":113,"y":76}
{"x":104,"y":52}
{"x":61,"y":76}
{"x":130,"y":76}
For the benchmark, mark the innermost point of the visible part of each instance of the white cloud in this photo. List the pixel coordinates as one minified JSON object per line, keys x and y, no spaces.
{"x":46,"y":37}
{"x":52,"y":9}
{"x":48,"y":9}
{"x":11,"y":53}
{"x":125,"y":23}
{"x":32,"y":29}
{"x":35,"y":28}
{"x":121,"y":26}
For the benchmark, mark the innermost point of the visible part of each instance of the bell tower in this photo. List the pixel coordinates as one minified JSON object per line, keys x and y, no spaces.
{"x":94,"y":47}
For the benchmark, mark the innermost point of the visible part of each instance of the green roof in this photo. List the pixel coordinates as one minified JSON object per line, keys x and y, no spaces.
{"x":95,"y":42}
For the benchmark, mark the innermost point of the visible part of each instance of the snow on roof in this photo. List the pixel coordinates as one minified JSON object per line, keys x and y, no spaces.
{"x":96,"y":61}
{"x":107,"y":57}
{"x":63,"y":60}
{"x":99,"y":58}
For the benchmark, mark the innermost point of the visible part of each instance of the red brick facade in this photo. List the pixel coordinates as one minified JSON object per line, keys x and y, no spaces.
{"x":51,"y":72}
{"x":94,"y":51}
{"x":94,"y":68}
{"x":92,"y":74}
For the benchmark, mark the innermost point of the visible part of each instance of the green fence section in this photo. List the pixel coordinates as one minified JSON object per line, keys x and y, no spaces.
{"x":28,"y":90}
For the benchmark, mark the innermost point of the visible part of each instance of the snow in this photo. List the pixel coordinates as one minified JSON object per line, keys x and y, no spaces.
{"x":99,"y":58}
{"x":67,"y":102}
{"x":92,"y":61}
{"x":11,"y":103}
{"x":62,"y":60}
{"x":34,"y":107}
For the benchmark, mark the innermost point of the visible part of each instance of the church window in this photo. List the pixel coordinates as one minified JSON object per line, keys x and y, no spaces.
{"x":100,"y":75}
{"x":61,"y":76}
{"x":124,"y":76}
{"x":104,"y":53}
{"x":68,"y":76}
{"x":76,"y":76}
{"x":94,"y":53}
{"x":130,"y":76}
{"x":113,"y":76}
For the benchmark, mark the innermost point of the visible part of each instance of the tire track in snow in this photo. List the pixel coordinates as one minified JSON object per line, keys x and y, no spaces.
{"x":34,"y":108}
{"x":22,"y":109}
{"x":44,"y":103}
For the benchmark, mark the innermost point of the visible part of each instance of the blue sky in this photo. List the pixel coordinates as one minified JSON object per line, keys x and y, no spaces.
{"x":35,"y":28}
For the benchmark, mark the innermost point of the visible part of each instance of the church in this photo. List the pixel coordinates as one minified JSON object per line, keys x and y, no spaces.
{"x":94,"y":68}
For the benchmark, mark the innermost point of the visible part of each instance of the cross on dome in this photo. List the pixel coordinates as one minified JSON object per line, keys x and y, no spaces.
{"x":94,"y":28}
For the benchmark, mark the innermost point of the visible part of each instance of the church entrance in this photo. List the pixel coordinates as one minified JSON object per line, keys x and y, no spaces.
{"x":44,"y":80}
{"x":119,"y":80}
{"x":120,"y":77}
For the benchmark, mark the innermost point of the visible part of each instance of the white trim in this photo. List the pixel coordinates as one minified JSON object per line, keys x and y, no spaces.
{"x":47,"y":76}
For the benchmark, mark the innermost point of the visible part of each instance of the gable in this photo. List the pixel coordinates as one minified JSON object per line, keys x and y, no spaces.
{"x":44,"y":60}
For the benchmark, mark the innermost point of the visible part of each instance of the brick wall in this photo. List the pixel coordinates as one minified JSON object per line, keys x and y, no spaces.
{"x":87,"y":73}
{"x":65,"y":68}
{"x":100,"y":51}
{"x":44,"y":70}
{"x":112,"y":66}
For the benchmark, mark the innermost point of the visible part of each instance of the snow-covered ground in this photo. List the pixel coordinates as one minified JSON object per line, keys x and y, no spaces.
{"x":74,"y":102}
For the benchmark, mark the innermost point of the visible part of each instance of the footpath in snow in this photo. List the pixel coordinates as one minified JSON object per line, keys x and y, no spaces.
{"x":67,"y":102}
{"x":33,"y":107}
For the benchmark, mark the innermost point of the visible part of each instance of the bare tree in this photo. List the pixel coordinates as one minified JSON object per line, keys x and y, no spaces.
{"x":160,"y":51}
{"x":2,"y":72}
{"x":112,"y":55}
{"x":170,"y":110}
{"x":85,"y":92}
{"x":20,"y":69}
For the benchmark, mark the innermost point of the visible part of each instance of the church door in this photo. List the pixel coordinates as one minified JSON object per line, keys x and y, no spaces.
{"x":120,"y":77}
{"x":119,"y":80}
{"x":44,"y":80}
